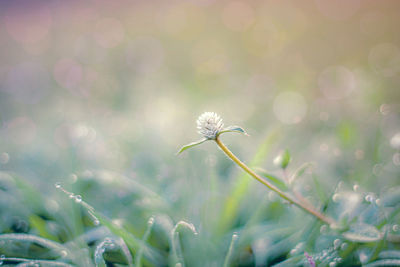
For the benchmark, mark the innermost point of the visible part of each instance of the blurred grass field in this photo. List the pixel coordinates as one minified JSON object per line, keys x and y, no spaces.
{"x":97,"y":97}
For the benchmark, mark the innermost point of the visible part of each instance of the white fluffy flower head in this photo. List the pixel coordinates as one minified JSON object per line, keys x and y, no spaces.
{"x":209,"y":125}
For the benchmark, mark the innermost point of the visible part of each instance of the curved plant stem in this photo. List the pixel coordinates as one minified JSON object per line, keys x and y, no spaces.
{"x":311,"y":210}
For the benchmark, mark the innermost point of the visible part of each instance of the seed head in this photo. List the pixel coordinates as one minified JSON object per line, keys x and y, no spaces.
{"x":209,"y":124}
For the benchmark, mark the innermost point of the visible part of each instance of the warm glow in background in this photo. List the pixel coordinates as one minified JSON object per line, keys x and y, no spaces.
{"x":97,"y":90}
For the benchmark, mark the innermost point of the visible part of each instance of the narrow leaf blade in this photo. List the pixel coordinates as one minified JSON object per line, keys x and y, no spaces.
{"x":275,"y":180}
{"x":233,"y":129}
{"x":191,"y":145}
{"x":363,"y":233}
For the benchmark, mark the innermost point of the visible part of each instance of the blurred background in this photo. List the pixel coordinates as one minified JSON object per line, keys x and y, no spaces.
{"x":98,"y":93}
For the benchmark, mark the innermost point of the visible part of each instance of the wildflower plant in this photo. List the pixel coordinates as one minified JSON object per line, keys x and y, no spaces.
{"x":210,"y":125}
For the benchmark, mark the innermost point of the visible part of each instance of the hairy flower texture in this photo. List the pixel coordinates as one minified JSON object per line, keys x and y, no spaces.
{"x":209,"y":125}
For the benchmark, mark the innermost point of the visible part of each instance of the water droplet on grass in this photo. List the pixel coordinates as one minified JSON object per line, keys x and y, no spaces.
{"x":363,"y":257}
{"x":73,"y":177}
{"x":64,"y":253}
{"x":396,"y":159}
{"x":57,"y":185}
{"x":151,"y":221}
{"x":369,"y":198}
{"x":337,"y":243}
{"x":336,"y":197}
{"x":4,"y":158}
{"x":338,"y":260}
{"x":78,"y":199}
{"x":377,"y":169}
{"x":384,"y":109}
{"x":395,"y":227}
{"x":344,"y":246}
{"x":356,"y":187}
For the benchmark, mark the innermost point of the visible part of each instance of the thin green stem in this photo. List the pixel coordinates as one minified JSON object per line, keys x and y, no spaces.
{"x":305,"y":207}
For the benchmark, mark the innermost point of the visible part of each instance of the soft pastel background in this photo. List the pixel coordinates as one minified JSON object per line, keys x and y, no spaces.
{"x":99,"y":95}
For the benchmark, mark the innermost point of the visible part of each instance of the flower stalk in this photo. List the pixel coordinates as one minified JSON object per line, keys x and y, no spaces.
{"x":282,"y":194}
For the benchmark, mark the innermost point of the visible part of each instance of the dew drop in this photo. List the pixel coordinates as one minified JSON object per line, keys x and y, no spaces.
{"x":395,"y":227}
{"x":384,"y":109}
{"x":63,"y":253}
{"x":323,"y":229}
{"x":356,"y":187}
{"x":395,"y":141}
{"x":344,"y":246}
{"x":396,"y":159}
{"x":96,"y":222}
{"x":73,"y":178}
{"x":151,"y":221}
{"x":337,"y":243}
{"x":378,"y":202}
{"x":71,"y":195}
{"x":4,"y":158}
{"x":369,"y":198}
{"x":57,"y":185}
{"x":78,"y":199}
{"x":377,"y":169}
{"x":332,"y":264}
{"x":363,"y":257}
{"x":336,"y":197}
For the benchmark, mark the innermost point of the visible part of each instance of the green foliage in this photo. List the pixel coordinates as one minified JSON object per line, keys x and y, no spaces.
{"x":98,"y":97}
{"x":283,"y":159}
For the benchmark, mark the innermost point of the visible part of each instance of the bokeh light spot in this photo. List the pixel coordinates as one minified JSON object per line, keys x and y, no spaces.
{"x":395,"y":141}
{"x":336,"y":82}
{"x":290,"y":107}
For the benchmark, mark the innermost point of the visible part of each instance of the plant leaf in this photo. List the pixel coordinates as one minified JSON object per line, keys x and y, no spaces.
{"x":363,"y":233}
{"x":191,"y":145}
{"x":386,"y":262}
{"x":233,"y":129}
{"x":283,"y":159}
{"x":275,"y":180}
{"x":300,"y":171}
